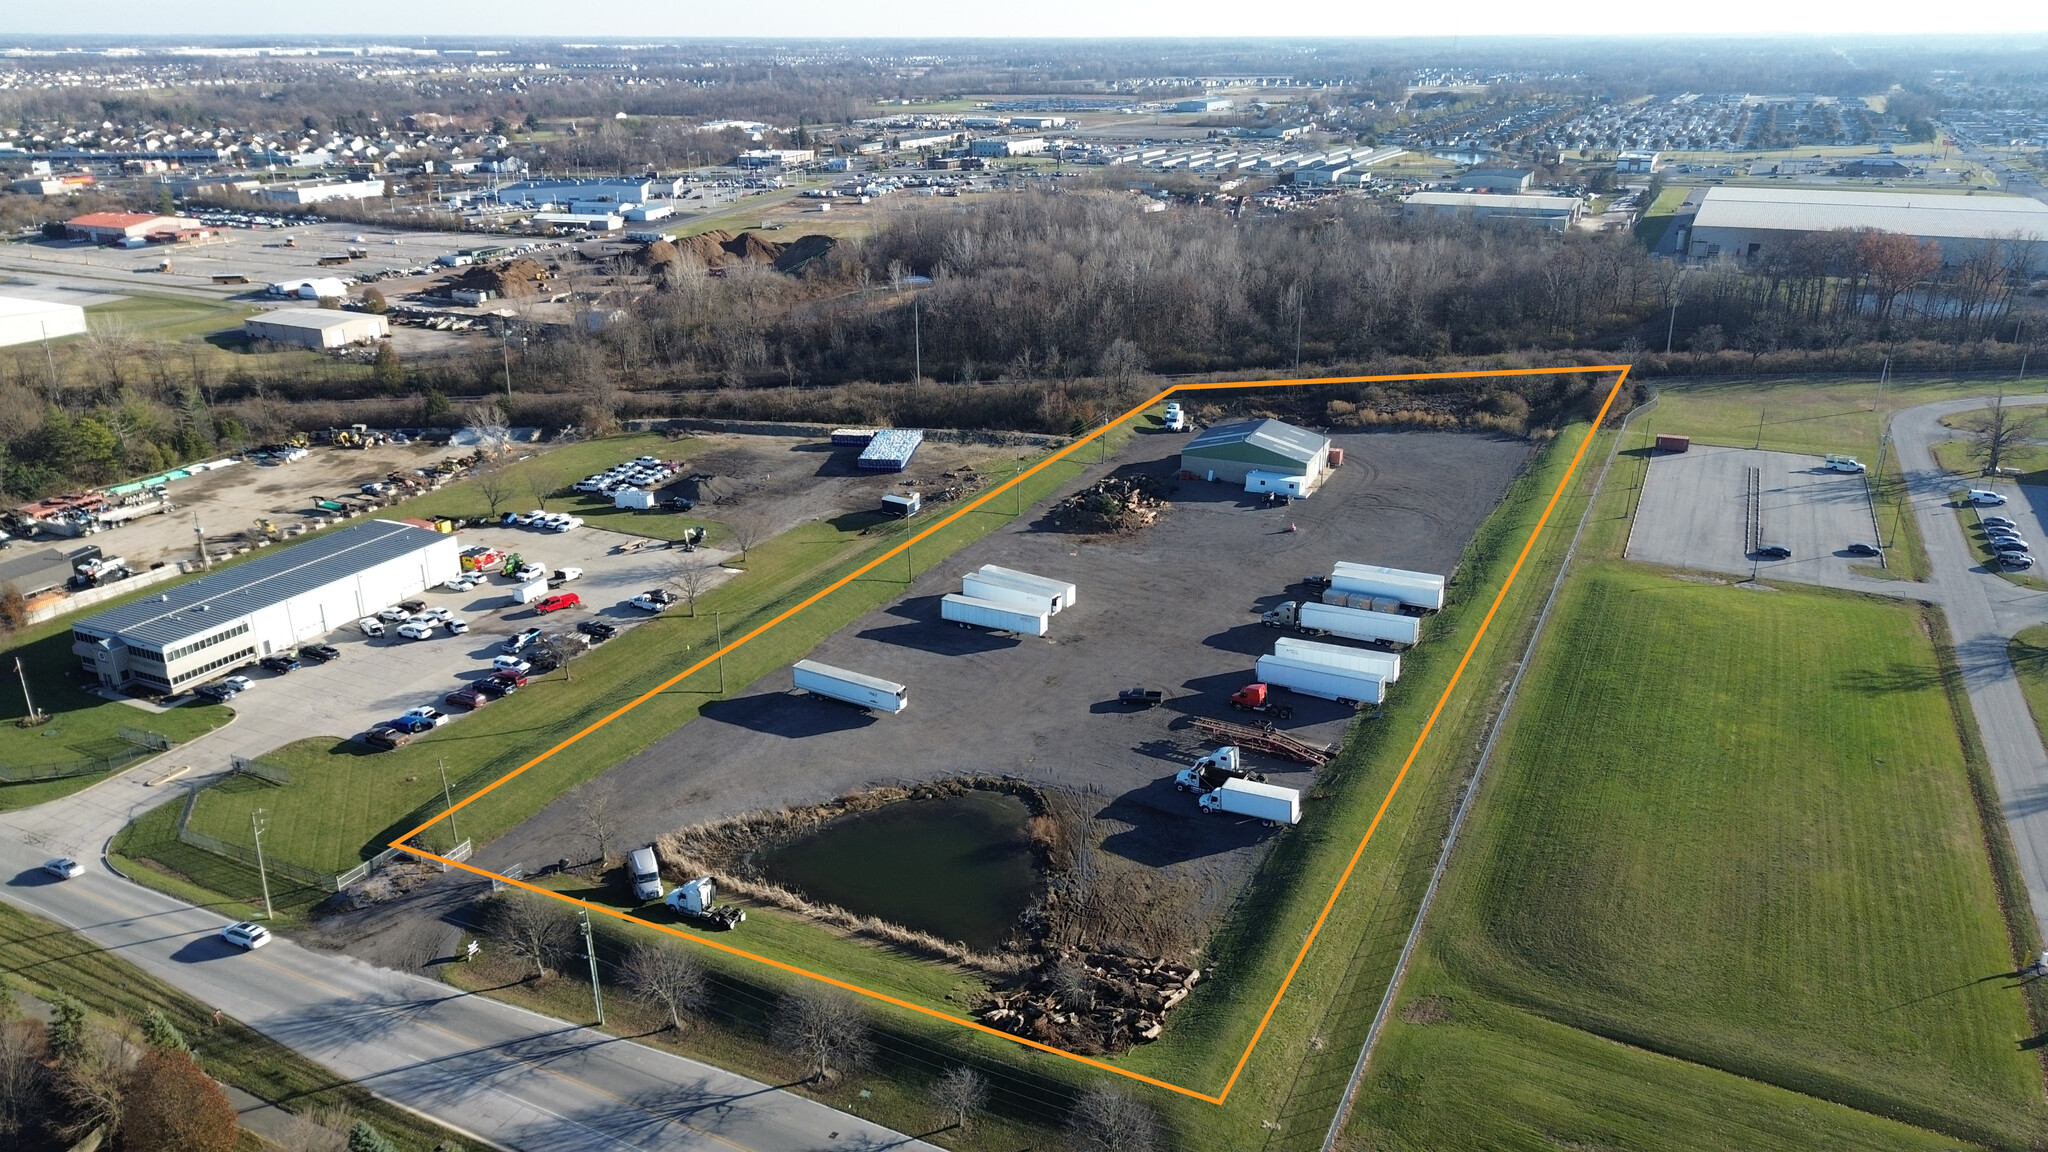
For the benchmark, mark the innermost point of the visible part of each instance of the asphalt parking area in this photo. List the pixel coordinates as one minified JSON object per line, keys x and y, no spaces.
{"x":1694,"y":509}
{"x":1171,"y":607}
{"x":379,"y":678}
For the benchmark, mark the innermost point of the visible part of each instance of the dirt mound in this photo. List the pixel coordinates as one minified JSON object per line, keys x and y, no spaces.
{"x":520,"y":277}
{"x":719,"y":249}
{"x":1116,"y":505}
{"x":801,"y":251}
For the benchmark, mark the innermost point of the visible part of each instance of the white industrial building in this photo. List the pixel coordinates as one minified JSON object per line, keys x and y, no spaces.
{"x":176,"y":640}
{"x":1553,"y":212}
{"x":1263,"y":455}
{"x":1749,"y":223}
{"x":774,"y":157}
{"x":1008,"y":146}
{"x":27,"y":321}
{"x":322,"y":193}
{"x":316,"y":327}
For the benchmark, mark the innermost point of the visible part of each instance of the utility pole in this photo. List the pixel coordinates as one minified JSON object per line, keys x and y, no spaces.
{"x":1300,"y":305}
{"x":448,"y":800}
{"x":590,"y":953}
{"x":916,"y":344}
{"x":205,"y":561}
{"x":35,"y":715}
{"x":718,"y":631}
{"x":1884,"y":372}
{"x":1671,"y":328}
{"x":505,"y":351}
{"x":257,"y":824}
{"x":50,"y":358}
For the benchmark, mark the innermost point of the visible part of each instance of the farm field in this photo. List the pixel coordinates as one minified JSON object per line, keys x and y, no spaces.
{"x":1705,"y":899}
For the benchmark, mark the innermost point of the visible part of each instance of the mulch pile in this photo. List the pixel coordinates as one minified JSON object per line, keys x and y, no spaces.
{"x":1093,"y":1003}
{"x":1113,"y":505}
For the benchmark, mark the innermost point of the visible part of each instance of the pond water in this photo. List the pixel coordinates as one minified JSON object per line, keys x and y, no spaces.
{"x":959,"y":867}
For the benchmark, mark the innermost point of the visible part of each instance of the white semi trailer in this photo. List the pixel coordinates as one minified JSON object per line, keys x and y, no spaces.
{"x":1003,"y":592}
{"x":967,"y":611}
{"x":849,"y":687}
{"x":1344,"y":685}
{"x":1417,"y":589}
{"x":1268,"y":802}
{"x":1350,"y":623}
{"x":1385,"y":665}
{"x":1063,"y":593}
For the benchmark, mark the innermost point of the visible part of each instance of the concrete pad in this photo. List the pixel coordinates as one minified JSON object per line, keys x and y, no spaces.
{"x":1693,"y":508}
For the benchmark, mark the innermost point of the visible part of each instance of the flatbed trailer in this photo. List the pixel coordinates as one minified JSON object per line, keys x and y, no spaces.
{"x":1265,"y":738}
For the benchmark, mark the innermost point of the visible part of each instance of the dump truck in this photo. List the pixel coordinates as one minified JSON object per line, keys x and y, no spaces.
{"x":1344,"y":685}
{"x":1351,"y":623}
{"x":694,"y":901}
{"x":970,"y":612}
{"x":849,"y":687}
{"x":1418,"y":589}
{"x":1209,"y":773}
{"x":1385,"y":665}
{"x":1268,"y":802}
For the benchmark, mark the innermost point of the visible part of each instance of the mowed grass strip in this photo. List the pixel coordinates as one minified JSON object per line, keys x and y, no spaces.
{"x":1733,"y":827}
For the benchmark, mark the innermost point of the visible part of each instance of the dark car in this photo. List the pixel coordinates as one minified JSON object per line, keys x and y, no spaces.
{"x":1773,"y":552}
{"x":493,"y":687}
{"x":218,"y":693}
{"x":469,"y":697}
{"x":282,"y":663}
{"x":599,"y":629}
{"x":543,"y":661}
{"x":321,"y":652}
{"x":1861,"y":549}
{"x":413,"y":606}
{"x":386,"y":737}
{"x":411,"y":725}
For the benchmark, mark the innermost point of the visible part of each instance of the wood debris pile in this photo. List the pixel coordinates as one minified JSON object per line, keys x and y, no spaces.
{"x":1114,"y":504}
{"x":1093,"y":1003}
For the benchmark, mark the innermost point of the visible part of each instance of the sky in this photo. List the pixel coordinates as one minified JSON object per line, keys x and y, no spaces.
{"x":367,"y":20}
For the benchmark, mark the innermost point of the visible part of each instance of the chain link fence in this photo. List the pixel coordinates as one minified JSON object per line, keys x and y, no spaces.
{"x":133,"y":745}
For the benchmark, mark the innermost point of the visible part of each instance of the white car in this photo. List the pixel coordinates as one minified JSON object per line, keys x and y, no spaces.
{"x":646,"y":605}
{"x":511,"y":664}
{"x":416,"y":629}
{"x":239,"y":683}
{"x":246,"y":936}
{"x":569,"y":523}
{"x":456,"y":625}
{"x":530,"y":571}
{"x":64,"y":868}
{"x":459,"y":584}
{"x":432,"y":616}
{"x":1983,"y":496}
{"x":1843,"y":464}
{"x":429,"y":712}
{"x":369,"y":626}
{"x":394,"y":615}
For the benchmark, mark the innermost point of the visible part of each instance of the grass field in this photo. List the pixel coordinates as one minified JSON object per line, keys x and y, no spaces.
{"x":1657,"y":217}
{"x":172,"y":318}
{"x":2029,"y":654}
{"x":1705,"y":897}
{"x":42,"y":958}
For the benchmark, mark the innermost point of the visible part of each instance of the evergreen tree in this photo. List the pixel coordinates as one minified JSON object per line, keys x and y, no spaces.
{"x":363,"y":1138}
{"x":159,"y":1033}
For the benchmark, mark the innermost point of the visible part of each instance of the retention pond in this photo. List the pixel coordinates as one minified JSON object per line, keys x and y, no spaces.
{"x":959,"y":867}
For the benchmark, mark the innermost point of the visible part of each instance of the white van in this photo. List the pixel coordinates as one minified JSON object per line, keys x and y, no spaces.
{"x":646,"y":874}
{"x":1983,"y":496}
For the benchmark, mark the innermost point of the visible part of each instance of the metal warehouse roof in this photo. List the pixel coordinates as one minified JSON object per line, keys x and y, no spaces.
{"x":319,"y":319}
{"x":1497,"y":202}
{"x":1925,"y":214}
{"x":213,"y":601}
{"x":1271,"y":435}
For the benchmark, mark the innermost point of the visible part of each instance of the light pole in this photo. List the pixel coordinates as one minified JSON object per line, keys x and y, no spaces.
{"x":448,"y":800}
{"x":257,"y":826}
{"x":718,"y":642}
{"x":590,"y":954}
{"x":1671,"y":328}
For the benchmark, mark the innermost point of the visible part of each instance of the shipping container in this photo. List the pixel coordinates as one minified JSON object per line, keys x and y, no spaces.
{"x":1385,"y":665}
{"x":1417,"y":589}
{"x":849,"y":687}
{"x":1344,"y":685}
{"x":1063,"y":593}
{"x":966,"y":610}
{"x":1666,"y":442}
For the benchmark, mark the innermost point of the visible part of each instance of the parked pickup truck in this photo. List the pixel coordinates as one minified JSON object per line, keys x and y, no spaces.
{"x":1141,"y":697}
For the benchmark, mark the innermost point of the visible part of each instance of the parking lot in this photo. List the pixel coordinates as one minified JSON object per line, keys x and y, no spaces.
{"x":1172,"y":607}
{"x":1694,"y":510}
{"x":378,"y":678}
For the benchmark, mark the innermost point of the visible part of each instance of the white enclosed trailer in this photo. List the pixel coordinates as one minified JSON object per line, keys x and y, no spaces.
{"x":968,"y":611}
{"x":1268,"y":802}
{"x":1384,"y":665}
{"x":530,"y":591}
{"x":849,"y":687}
{"x":1420,"y":589}
{"x":1002,"y":592}
{"x":1060,"y":590}
{"x":1350,"y":623}
{"x":1344,"y":685}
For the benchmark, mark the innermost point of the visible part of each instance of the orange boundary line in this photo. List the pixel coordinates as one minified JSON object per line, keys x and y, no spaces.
{"x":1314,"y":932}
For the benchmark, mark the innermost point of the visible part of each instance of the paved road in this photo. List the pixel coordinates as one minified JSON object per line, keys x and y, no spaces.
{"x":502,"y":1075}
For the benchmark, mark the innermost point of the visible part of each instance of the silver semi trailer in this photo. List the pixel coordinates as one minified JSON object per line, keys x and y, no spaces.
{"x":850,"y":687}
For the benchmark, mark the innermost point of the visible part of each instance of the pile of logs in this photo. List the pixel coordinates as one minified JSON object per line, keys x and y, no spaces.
{"x":1113,"y":504}
{"x":1092,"y":1003}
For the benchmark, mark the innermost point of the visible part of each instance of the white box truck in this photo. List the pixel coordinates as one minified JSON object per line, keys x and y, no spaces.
{"x":849,"y":687}
{"x":1350,"y":623}
{"x":1061,"y":591}
{"x":1268,"y":802}
{"x":1385,"y":665}
{"x":1001,"y":592}
{"x":1344,"y":685}
{"x":646,"y":874}
{"x":1420,"y":589}
{"x":968,"y":611}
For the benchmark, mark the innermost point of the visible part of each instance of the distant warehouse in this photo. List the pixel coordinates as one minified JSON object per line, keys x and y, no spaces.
{"x":1554,"y":212}
{"x":27,"y":321}
{"x":178,"y":639}
{"x":1263,"y":455}
{"x":316,"y":327}
{"x":1752,"y":223}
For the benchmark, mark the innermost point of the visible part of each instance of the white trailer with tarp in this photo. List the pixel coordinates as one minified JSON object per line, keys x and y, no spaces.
{"x":1416,"y":589}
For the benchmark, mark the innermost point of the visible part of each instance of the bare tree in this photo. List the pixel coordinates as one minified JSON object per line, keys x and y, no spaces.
{"x":1996,"y":432}
{"x":824,"y":1027}
{"x":24,"y":1079}
{"x":492,"y":436}
{"x":960,"y":1093}
{"x":496,"y":489}
{"x":1107,"y":1119}
{"x":690,"y":581}
{"x":749,"y":528}
{"x":666,"y":978}
{"x":596,"y":808}
{"x":91,"y":1080}
{"x":540,"y":482}
{"x":534,"y":927}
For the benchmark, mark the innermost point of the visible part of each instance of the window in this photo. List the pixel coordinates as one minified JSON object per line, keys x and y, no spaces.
{"x":210,"y":641}
{"x":210,"y":666}
{"x":84,"y":637}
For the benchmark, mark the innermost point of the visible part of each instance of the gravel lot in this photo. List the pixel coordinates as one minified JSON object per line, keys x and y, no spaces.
{"x":1171,"y":607}
{"x":1693,"y":506}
